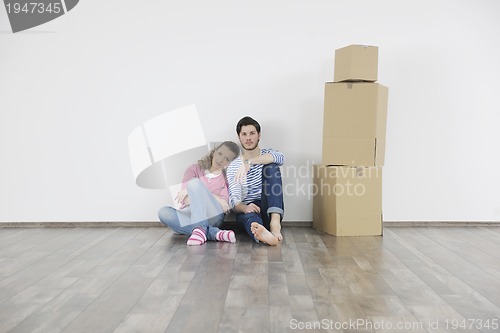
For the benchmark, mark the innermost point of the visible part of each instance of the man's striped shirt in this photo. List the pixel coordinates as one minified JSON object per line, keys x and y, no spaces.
{"x":251,"y":188}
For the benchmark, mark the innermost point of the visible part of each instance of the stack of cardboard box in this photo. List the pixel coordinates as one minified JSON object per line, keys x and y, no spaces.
{"x":348,"y":184}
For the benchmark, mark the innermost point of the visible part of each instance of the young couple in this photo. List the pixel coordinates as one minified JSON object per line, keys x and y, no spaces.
{"x":249,"y":183}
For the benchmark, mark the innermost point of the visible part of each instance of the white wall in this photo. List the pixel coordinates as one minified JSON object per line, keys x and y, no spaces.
{"x":72,"y":90}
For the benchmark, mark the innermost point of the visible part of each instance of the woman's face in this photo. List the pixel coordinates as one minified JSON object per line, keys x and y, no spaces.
{"x":222,"y":157}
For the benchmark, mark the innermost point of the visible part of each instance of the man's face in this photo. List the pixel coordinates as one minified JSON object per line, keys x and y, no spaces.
{"x":249,"y":137}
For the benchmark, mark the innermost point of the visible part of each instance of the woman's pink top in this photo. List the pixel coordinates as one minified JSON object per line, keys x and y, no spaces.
{"x":216,"y":185}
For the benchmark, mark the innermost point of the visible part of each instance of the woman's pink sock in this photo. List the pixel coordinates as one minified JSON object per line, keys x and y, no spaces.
{"x":226,"y":236}
{"x":198,"y":237}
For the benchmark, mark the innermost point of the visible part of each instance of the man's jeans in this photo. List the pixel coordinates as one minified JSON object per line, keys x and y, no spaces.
{"x":271,"y":200}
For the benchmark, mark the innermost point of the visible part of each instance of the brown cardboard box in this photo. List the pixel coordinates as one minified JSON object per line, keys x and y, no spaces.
{"x":347,"y":200}
{"x":354,"y":124}
{"x":356,"y":63}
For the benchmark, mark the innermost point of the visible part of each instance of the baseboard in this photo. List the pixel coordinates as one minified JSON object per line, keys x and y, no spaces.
{"x":104,"y":224}
{"x":119,"y":224}
{"x":441,"y":224}
{"x":229,"y":224}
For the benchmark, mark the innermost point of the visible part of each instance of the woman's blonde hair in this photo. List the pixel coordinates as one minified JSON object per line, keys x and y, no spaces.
{"x":206,"y":161}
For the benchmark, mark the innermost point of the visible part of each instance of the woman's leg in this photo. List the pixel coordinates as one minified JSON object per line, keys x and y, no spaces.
{"x":206,"y":211}
{"x":171,"y":217}
{"x":212,"y":227}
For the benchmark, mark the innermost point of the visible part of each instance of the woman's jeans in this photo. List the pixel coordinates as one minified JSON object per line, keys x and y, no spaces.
{"x":204,"y":211}
{"x":271,"y":200}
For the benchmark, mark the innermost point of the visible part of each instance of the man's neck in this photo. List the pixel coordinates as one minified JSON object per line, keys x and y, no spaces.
{"x":247,"y":154}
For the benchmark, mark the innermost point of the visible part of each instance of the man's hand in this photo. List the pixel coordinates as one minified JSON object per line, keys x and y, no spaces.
{"x":241,"y":174}
{"x":251,"y":208}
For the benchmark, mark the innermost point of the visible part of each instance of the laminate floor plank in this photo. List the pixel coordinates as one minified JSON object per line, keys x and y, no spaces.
{"x":10,"y":236}
{"x":324,"y":281}
{"x":123,"y":284}
{"x":480,"y":253}
{"x":452,"y":289}
{"x":28,"y":251}
{"x":8,"y":232}
{"x":327,"y":283}
{"x":12,"y":240}
{"x":371,"y":298}
{"x":41,"y":260}
{"x":33,"y":238}
{"x":70,"y":270}
{"x":486,"y":301}
{"x":132,"y":283}
{"x":149,"y":280}
{"x":472,"y":273}
{"x":204,"y":300}
{"x":405,"y":304}
{"x":490,"y":233}
{"x":156,"y":307}
{"x":479,"y":240}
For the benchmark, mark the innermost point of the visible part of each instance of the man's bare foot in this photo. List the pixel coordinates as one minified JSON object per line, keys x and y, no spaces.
{"x":262,"y":234}
{"x":275,"y":226}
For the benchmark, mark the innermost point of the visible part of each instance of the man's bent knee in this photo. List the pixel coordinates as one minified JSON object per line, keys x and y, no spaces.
{"x":271,"y":170}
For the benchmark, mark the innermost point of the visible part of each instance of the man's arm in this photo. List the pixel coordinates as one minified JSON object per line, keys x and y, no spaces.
{"x":269,"y":156}
{"x":262,"y":159}
{"x":234,"y":189}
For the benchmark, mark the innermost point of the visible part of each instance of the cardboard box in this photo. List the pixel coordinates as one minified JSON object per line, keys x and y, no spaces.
{"x":356,"y":63}
{"x":354,"y":124}
{"x":347,"y":200}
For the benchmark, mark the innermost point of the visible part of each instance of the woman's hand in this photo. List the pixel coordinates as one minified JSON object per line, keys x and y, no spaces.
{"x":182,"y":197}
{"x":224,"y":205}
{"x":241,"y":174}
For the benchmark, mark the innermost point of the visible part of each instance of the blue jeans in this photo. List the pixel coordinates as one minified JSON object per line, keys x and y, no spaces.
{"x":204,"y":211}
{"x":271,"y":200}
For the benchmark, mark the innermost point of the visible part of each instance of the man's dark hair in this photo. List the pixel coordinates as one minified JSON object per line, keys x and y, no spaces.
{"x":245,"y":121}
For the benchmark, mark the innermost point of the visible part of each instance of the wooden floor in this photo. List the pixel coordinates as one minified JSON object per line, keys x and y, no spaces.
{"x":425,"y":279}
